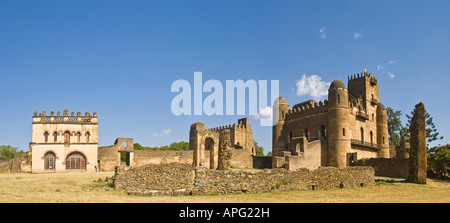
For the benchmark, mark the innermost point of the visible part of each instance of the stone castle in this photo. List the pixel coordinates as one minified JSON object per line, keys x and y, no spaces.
{"x":350,"y":125}
{"x":348,"y":129}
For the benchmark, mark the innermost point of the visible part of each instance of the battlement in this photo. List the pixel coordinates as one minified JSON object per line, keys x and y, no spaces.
{"x":65,"y":118}
{"x":239,"y":126}
{"x":303,"y":109}
{"x":363,"y":75}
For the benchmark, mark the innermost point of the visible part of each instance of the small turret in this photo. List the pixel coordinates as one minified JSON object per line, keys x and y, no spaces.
{"x":338,"y":125}
{"x":279,"y":111}
{"x":382,"y":132}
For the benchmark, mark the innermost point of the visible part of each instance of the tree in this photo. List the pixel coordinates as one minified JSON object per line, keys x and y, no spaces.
{"x":8,"y":152}
{"x":438,"y":160}
{"x":432,"y":133}
{"x":138,"y":146}
{"x":394,"y":125}
{"x":177,"y":146}
{"x":259,"y":149}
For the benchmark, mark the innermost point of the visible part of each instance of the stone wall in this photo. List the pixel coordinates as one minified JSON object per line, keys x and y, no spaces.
{"x":170,"y":179}
{"x":19,"y":164}
{"x":144,"y":157}
{"x":262,"y":162}
{"x":385,"y":167}
{"x":174,"y":179}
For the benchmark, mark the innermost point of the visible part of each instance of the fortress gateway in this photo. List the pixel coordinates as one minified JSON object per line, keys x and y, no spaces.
{"x":351,"y":125}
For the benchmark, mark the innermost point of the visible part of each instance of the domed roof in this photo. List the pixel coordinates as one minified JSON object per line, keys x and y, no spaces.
{"x":280,"y":100}
{"x":380,"y":106}
{"x":337,"y":84}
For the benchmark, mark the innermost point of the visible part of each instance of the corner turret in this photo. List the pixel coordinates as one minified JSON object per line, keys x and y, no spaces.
{"x":338,"y":125}
{"x":382,"y":132}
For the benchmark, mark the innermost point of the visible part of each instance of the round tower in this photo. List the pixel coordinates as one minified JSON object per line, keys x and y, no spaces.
{"x":338,"y":125}
{"x":382,"y":132}
{"x":279,"y":110}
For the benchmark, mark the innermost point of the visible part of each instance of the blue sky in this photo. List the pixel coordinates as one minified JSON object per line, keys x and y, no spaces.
{"x":119,"y":58}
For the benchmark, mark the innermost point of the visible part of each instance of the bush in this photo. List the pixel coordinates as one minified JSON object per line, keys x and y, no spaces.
{"x":438,"y":160}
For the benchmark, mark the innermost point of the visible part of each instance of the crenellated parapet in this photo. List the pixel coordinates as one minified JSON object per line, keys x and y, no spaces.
{"x":305,"y":109}
{"x":65,"y":117}
{"x":364,"y":75}
{"x":239,"y":126}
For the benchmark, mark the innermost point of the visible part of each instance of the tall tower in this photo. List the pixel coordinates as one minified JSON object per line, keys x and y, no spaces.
{"x":364,"y":86}
{"x":382,"y":132}
{"x":280,"y":109}
{"x":338,"y":125}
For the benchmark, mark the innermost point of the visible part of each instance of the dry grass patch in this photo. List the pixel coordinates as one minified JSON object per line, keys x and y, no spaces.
{"x":83,"y":187}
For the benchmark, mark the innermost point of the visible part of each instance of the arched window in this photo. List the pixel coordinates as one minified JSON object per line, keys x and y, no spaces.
{"x":343,"y":132}
{"x":76,"y":161}
{"x":362,"y":134}
{"x":87,"y":137}
{"x":339,"y":99}
{"x":49,"y":161}
{"x":371,"y":137}
{"x":46,"y":136}
{"x":373,"y":117}
{"x":79,"y":137}
{"x":55,"y":137}
{"x":67,"y":138}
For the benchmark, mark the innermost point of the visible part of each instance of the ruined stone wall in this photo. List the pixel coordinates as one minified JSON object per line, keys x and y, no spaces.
{"x":262,"y":162}
{"x":418,"y":146}
{"x":109,"y":156}
{"x":310,"y":158}
{"x":19,"y":164}
{"x":174,"y":179}
{"x":144,"y":157}
{"x":385,"y":167}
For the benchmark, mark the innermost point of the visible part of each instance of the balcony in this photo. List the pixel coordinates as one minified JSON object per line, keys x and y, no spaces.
{"x":374,"y":101}
{"x":362,"y":114}
{"x":365,"y":144}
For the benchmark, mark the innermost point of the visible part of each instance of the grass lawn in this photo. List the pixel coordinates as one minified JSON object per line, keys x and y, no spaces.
{"x":82,"y":187}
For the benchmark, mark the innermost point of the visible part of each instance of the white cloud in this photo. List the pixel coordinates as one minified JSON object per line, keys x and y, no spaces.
{"x":264,"y":113}
{"x":165,"y":132}
{"x":312,"y":86}
{"x":391,"y":75}
{"x":380,"y":67}
{"x":385,"y":68}
{"x":357,"y":35}
{"x":323,"y":32}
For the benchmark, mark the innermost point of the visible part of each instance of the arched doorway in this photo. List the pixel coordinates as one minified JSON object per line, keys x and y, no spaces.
{"x":76,"y":161}
{"x":213,"y":158}
{"x":49,"y":161}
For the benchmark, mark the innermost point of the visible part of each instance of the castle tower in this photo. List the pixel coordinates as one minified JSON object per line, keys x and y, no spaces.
{"x":338,"y":125}
{"x":364,"y":86}
{"x":382,"y":132}
{"x":278,"y":143}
